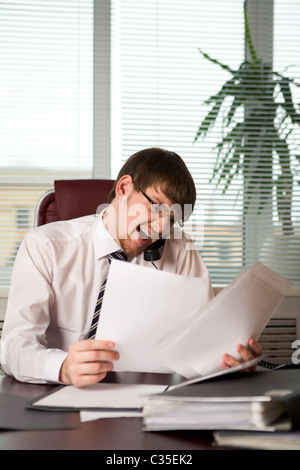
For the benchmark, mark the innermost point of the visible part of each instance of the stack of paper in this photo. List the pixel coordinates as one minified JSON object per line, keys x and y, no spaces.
{"x":205,"y":413}
{"x":252,"y":401}
{"x":238,"y":312}
{"x":163,"y":322}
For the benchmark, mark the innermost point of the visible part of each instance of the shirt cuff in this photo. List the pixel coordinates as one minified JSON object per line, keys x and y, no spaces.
{"x":53,"y":365}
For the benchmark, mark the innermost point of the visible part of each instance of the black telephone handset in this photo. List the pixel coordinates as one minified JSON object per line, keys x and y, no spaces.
{"x":154,"y":252}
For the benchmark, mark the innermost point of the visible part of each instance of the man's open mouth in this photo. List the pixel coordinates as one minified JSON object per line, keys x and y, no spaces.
{"x":144,"y":234}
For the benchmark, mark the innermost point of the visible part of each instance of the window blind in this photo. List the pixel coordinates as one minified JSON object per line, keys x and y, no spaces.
{"x":166,"y":63}
{"x":46,"y":111}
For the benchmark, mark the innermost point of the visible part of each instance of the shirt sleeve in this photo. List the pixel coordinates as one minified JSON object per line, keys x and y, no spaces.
{"x":24,"y":352}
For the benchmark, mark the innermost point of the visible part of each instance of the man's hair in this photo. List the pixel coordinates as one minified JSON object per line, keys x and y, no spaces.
{"x":156,"y":167}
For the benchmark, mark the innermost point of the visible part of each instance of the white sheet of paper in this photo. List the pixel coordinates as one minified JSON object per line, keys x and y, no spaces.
{"x":239,"y":311}
{"x":86,"y":416}
{"x":231,"y":370}
{"x":100,"y":395}
{"x":141,"y":307}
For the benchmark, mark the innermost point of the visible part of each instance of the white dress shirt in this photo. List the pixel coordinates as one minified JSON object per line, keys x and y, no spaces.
{"x":55,"y":283}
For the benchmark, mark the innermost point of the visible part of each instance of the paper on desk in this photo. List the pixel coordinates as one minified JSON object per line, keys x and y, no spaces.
{"x":86,"y":416}
{"x":105,"y":396}
{"x":141,"y":306}
{"x":240,"y":311}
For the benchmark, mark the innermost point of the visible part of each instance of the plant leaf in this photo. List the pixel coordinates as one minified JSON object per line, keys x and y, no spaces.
{"x":217,"y":62}
{"x":209,"y":120}
{"x":248,"y":37}
{"x":288,"y":104}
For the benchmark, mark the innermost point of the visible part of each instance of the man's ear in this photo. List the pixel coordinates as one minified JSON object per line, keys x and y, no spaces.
{"x":124,"y":186}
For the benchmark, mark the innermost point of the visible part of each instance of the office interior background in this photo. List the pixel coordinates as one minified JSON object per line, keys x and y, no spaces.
{"x":86,"y":83}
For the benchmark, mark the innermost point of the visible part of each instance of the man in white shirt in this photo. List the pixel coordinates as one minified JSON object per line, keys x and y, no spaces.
{"x":60,"y":267}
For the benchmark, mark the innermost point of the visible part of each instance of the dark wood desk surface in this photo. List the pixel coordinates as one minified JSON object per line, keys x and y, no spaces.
{"x":102,"y":434}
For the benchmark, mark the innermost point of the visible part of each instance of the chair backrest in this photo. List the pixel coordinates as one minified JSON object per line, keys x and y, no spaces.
{"x":71,"y":199}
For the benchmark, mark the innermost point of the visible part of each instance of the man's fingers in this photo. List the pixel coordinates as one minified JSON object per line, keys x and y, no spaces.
{"x":94,"y":368}
{"x":88,"y":379}
{"x":228,"y":361}
{"x":96,"y":356}
{"x":245,"y":354}
{"x":88,"y":362}
{"x":256,"y":348}
{"x":92,"y":344}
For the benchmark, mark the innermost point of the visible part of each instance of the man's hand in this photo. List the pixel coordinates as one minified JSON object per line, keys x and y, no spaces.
{"x":246,"y":353}
{"x":88,"y":362}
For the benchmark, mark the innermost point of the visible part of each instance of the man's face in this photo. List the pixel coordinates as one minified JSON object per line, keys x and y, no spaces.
{"x":142,"y":218}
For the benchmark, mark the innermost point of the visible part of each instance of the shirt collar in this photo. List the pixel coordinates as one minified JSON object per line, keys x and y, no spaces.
{"x":103,"y":241}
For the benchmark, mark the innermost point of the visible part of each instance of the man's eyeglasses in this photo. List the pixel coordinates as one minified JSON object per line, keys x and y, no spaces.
{"x":159,"y":211}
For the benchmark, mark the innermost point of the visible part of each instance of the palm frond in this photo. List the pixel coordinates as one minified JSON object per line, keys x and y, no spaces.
{"x":248,"y":37}
{"x":266,"y":99}
{"x":217,"y":62}
{"x":288,"y":104}
{"x":209,"y":120}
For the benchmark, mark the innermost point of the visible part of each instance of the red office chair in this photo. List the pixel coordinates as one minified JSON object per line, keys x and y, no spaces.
{"x":71,"y":199}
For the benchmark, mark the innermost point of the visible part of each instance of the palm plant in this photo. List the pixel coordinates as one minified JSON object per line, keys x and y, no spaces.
{"x":253,"y":143}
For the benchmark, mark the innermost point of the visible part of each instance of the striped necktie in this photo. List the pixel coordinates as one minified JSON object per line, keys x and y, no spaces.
{"x":120,"y":255}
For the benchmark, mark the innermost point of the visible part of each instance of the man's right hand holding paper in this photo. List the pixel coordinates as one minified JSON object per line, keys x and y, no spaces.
{"x":88,"y":362}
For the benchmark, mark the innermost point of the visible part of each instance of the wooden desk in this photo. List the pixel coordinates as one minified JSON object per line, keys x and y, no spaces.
{"x":103,"y":434}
